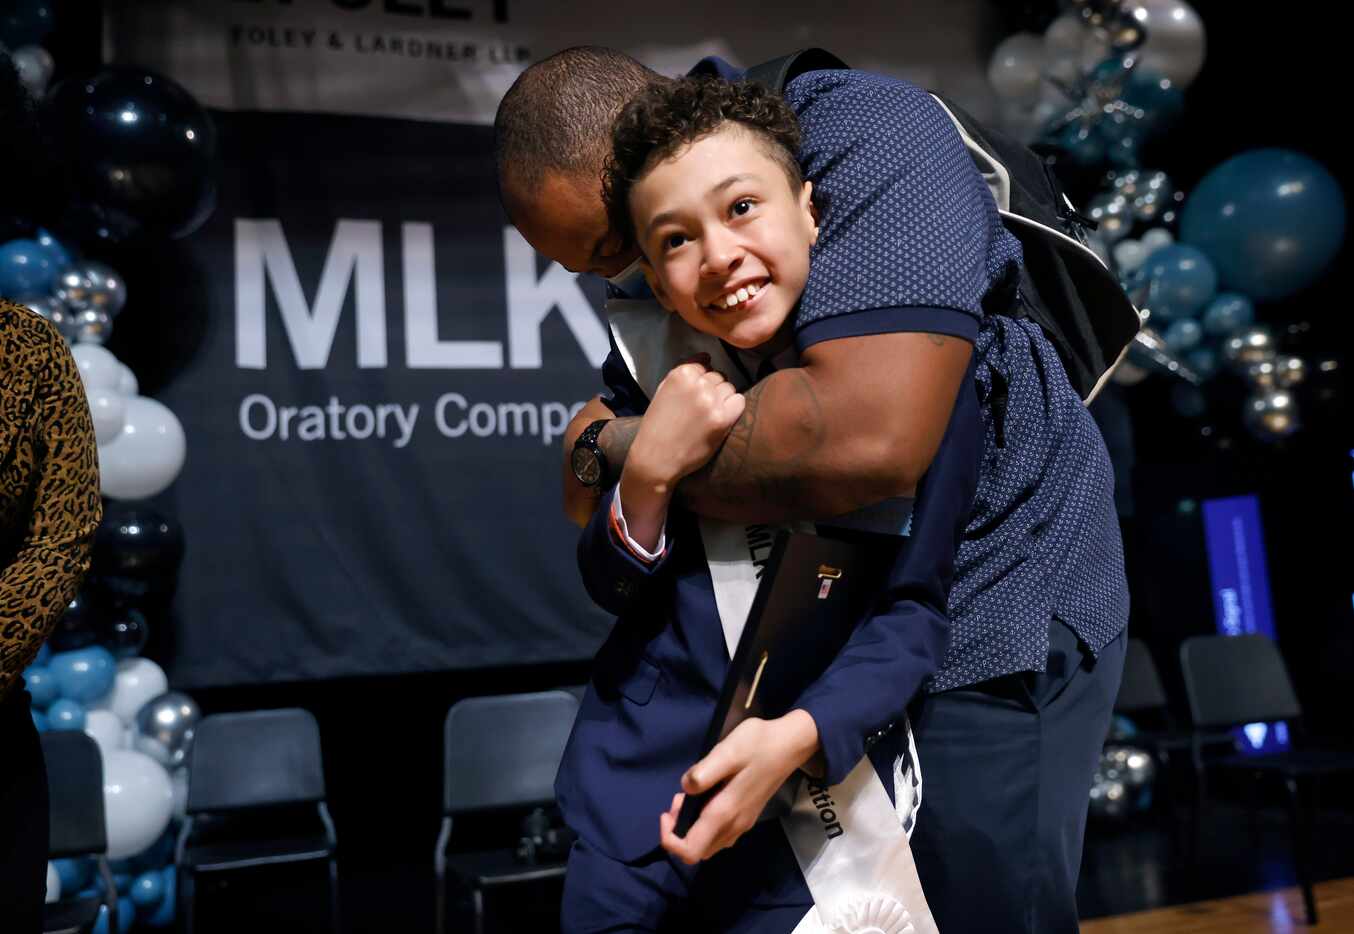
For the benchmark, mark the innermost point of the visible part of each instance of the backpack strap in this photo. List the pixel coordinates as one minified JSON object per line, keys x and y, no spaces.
{"x":779,"y":72}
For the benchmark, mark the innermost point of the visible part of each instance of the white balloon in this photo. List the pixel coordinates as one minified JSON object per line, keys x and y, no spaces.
{"x":147,"y":456}
{"x":179,"y":778}
{"x":1129,"y":255}
{"x":106,"y":729}
{"x":138,"y":801}
{"x":1155,"y":239}
{"x":137,"y":681}
{"x":1016,"y":69}
{"x":1175,"y":39}
{"x":98,"y":367}
{"x":127,"y":384}
{"x":53,"y":883}
{"x":35,"y":66}
{"x":108,"y":409}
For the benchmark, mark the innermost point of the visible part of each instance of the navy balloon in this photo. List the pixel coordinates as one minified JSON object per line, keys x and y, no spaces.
{"x":1181,"y":280}
{"x":40,"y":721}
{"x":135,"y":540}
{"x":77,"y":627}
{"x":125,"y":632}
{"x":26,"y":22}
{"x":142,"y":155}
{"x":148,"y":889}
{"x":1270,"y":219}
{"x":1228,"y":312}
{"x":27,"y":269}
{"x":1203,"y":361}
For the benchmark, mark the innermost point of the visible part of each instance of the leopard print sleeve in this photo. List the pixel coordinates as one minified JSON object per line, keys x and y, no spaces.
{"x":52,"y":469}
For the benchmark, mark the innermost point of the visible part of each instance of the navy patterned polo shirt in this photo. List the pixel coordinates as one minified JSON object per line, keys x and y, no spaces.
{"x":910,"y":240}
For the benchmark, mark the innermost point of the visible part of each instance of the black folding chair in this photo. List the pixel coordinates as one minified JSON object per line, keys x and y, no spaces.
{"x":75,"y":789}
{"x":256,"y":798}
{"x":1235,"y":680}
{"x":499,"y":753}
{"x":1142,"y":695}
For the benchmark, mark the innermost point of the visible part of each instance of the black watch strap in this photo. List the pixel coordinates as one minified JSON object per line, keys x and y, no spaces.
{"x":587,"y":441}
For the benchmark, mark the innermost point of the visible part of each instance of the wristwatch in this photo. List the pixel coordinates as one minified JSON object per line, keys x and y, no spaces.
{"x":588,"y":461}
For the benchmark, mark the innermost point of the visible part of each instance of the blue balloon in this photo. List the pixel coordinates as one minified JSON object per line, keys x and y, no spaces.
{"x":163,"y":916}
{"x":1203,"y":360}
{"x":60,"y":256}
{"x":1183,"y":334}
{"x":1270,"y":219}
{"x":84,"y":674}
{"x":75,"y":874}
{"x":1081,"y":146}
{"x":1181,"y":280}
{"x":42,"y":685}
{"x":26,"y":22}
{"x":26,"y":269}
{"x":66,"y":714}
{"x":1157,"y":97}
{"x":126,"y":915}
{"x":147,"y":890}
{"x":122,"y":881}
{"x":1228,"y":312}
{"x":44,"y":655}
{"x":40,"y":721}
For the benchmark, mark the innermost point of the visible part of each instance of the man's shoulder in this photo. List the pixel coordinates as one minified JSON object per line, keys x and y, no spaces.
{"x":848,"y":83}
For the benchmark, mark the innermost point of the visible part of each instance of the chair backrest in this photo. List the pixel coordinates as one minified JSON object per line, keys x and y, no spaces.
{"x":254,"y":759}
{"x":75,"y":789}
{"x":1141,"y":687}
{"x":504,"y":751}
{"x":1233,"y":680}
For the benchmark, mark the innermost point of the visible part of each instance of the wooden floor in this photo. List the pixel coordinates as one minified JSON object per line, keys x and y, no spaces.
{"x":1264,"y":913}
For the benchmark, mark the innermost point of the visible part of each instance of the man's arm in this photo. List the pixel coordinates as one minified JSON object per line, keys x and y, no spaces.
{"x":858,"y":421}
{"x":581,"y":501}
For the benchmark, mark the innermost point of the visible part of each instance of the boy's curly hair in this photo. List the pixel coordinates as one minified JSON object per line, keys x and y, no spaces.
{"x":665,"y":117}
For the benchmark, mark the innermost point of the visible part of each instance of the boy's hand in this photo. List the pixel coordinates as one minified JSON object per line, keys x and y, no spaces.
{"x":687,"y":421}
{"x":753,"y":762}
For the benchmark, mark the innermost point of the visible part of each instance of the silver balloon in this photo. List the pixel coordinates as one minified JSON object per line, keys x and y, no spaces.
{"x":74,"y":288}
{"x":164,"y":728}
{"x":108,"y":293}
{"x":1272,"y":416}
{"x":35,"y":66}
{"x":1254,"y":344}
{"x":1175,"y":38}
{"x":54,"y":310}
{"x":1154,"y":196}
{"x":1289,"y":371}
{"x":1114,"y":213}
{"x":1263,"y":376}
{"x":93,"y":326}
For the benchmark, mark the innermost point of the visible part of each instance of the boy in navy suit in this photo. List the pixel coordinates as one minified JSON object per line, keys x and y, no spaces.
{"x":704,"y":176}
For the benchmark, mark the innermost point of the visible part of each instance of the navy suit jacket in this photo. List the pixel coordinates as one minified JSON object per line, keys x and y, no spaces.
{"x":658,"y":676}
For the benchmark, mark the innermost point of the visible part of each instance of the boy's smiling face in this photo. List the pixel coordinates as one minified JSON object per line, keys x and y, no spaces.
{"x":719,"y":222}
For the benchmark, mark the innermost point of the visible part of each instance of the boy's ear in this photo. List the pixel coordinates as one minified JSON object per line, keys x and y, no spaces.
{"x":806,"y":203}
{"x":655,"y":286}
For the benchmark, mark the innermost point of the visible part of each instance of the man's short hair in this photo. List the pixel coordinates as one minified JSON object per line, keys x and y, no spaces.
{"x":663,"y":119}
{"x":557,"y":116}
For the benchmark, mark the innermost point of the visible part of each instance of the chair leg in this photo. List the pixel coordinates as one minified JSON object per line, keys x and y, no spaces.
{"x":1253,"y":807}
{"x":185,"y":897}
{"x":478,"y":897}
{"x":1197,"y":816}
{"x":335,"y":919}
{"x":1296,"y":820}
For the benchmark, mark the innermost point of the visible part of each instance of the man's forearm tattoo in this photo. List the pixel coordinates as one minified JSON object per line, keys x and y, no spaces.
{"x":615,"y":441}
{"x":752,"y":464}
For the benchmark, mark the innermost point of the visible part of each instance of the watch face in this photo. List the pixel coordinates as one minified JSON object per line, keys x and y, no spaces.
{"x":586,"y":467}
